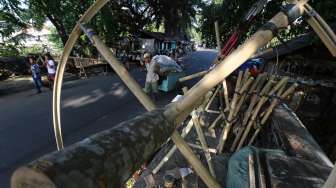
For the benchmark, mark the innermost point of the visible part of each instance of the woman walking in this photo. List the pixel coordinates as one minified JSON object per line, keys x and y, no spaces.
{"x":49,"y":63}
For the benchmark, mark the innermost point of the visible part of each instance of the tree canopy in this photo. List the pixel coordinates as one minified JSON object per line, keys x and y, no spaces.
{"x":121,"y":18}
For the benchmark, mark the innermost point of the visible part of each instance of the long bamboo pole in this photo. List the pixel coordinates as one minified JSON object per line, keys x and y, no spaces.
{"x":88,"y":15}
{"x":230,"y":63}
{"x":185,"y":132}
{"x":217,"y":36}
{"x":192,"y":76}
{"x":204,"y":144}
{"x":322,"y":29}
{"x":149,"y":105}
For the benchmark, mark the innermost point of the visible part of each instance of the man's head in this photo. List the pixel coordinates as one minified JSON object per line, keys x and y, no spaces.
{"x":147,"y":58}
{"x":31,"y":59}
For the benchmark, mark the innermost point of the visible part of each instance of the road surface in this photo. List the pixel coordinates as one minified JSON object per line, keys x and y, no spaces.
{"x":88,"y":106}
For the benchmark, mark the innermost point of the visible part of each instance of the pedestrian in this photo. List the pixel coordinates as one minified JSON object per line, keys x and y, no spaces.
{"x":152,"y":76}
{"x":36,"y":73}
{"x":49,"y":63}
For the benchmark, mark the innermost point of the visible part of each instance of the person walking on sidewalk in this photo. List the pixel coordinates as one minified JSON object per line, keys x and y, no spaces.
{"x":36,"y":73}
{"x":49,"y":63}
{"x":152,"y":77}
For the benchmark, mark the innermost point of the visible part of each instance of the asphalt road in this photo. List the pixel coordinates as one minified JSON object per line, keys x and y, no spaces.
{"x":88,"y":106}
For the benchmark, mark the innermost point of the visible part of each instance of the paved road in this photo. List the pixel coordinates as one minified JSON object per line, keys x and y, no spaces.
{"x":88,"y":106}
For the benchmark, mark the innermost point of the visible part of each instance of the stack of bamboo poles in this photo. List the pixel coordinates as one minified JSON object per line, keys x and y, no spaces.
{"x":247,"y":111}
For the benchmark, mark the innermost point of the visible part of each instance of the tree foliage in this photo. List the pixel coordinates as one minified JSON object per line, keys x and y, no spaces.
{"x":230,"y":15}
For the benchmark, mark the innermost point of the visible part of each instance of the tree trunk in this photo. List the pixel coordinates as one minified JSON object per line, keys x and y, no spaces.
{"x":107,"y":159}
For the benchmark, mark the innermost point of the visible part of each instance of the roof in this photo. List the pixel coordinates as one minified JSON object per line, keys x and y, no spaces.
{"x":297,"y":43}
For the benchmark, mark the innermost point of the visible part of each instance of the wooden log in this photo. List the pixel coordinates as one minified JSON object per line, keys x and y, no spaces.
{"x":107,"y":158}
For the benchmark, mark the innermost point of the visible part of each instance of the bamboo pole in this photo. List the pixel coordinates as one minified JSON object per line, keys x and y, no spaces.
{"x":226,"y":95}
{"x":217,"y":37}
{"x":231,"y":62}
{"x":204,"y":144}
{"x":252,"y":178}
{"x":192,"y":76}
{"x":198,"y":166}
{"x":119,"y":68}
{"x":61,"y":69}
{"x":214,"y":123}
{"x":146,"y":101}
{"x":232,"y":115}
{"x":331,"y":181}
{"x":322,"y":29}
{"x":263,"y":99}
{"x":253,"y":101}
{"x":212,"y":98}
{"x":269,"y":110}
{"x":209,"y":150}
{"x":255,"y":97}
{"x":276,"y":102}
{"x":185,"y":132}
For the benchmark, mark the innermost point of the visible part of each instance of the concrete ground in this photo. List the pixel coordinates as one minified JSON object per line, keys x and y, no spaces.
{"x":88,"y":106}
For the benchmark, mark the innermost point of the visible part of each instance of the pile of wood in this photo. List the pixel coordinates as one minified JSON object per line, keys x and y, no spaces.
{"x":228,"y":119}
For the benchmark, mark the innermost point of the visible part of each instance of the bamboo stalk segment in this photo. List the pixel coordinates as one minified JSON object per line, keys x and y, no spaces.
{"x":214,"y":123}
{"x":252,"y":178}
{"x":204,"y":144}
{"x":261,"y":102}
{"x":192,"y":76}
{"x":322,"y":29}
{"x":209,"y":150}
{"x":212,"y":98}
{"x":226,"y":94}
{"x":198,"y":167}
{"x":185,"y":132}
{"x":232,"y":115}
{"x":276,"y":102}
{"x":268,"y":112}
